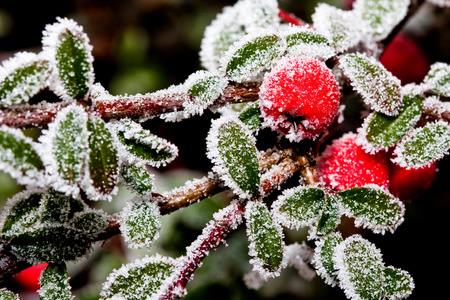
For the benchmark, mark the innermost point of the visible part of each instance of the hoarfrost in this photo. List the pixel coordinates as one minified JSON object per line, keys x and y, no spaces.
{"x":438,"y":79}
{"x":300,"y":256}
{"x":323,"y":258}
{"x":304,"y":41}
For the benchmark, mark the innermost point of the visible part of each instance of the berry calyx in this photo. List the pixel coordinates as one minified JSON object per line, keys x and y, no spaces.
{"x":344,"y":164}
{"x":299,"y":98}
{"x":29,"y":278}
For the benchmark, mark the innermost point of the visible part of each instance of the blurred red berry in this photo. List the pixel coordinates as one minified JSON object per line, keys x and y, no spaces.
{"x":348,"y":3}
{"x":345,"y":164}
{"x":405,"y":59}
{"x":299,"y":98}
{"x":29,"y":278}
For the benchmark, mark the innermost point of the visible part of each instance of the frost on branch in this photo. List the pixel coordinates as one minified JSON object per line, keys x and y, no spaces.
{"x":423,"y":145}
{"x":381,"y":16}
{"x":140,"y":223}
{"x":67,"y":47}
{"x":378,"y":87}
{"x":137,"y":179}
{"x":7,"y":295}
{"x":22,"y":77}
{"x":19,"y":157}
{"x":54,"y":283}
{"x":323,"y":257}
{"x":141,"y":279}
{"x":438,"y":79}
{"x":231,"y":147}
{"x":266,"y":241}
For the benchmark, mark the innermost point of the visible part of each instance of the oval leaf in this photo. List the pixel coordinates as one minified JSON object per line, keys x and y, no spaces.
{"x":302,"y":41}
{"x":266,"y":240}
{"x":250,"y":115}
{"x":330,"y":217}
{"x":423,"y":145}
{"x":231,"y":148}
{"x":54,"y":282}
{"x":438,"y":79}
{"x":378,"y":87}
{"x":138,"y":179}
{"x":398,"y":284}
{"x":22,"y":77}
{"x":141,"y":279}
{"x":372,"y":207}
{"x":89,"y":222}
{"x":323,"y":257}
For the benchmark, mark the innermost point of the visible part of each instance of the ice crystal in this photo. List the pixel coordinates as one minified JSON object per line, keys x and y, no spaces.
{"x":304,"y":41}
{"x":54,"y":282}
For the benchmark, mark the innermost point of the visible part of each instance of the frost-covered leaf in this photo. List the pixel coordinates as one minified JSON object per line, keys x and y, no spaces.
{"x":54,"y":207}
{"x":8,"y":295}
{"x":381,"y":16}
{"x":257,"y":14}
{"x":250,"y":115}
{"x":19,"y":157}
{"x":330,"y":216}
{"x":141,"y":223}
{"x":231,"y":148}
{"x":423,"y":145}
{"x":438,"y":79}
{"x":54,"y":282}
{"x":68,"y":47}
{"x":323,"y":257}
{"x":303,"y":41}
{"x":378,"y":87}
{"x":441,"y":3}
{"x":298,"y":207}
{"x":103,"y":162}
{"x":89,"y":222}
{"x":372,"y":207}
{"x":383,"y":131}
{"x":341,"y":28}
{"x":141,"y":279}
{"x":266,"y":240}
{"x":138,"y":179}
{"x":138,"y":146}
{"x":398,"y":284}
{"x":360,"y":268}
{"x":247,"y":57}
{"x":22,"y":77}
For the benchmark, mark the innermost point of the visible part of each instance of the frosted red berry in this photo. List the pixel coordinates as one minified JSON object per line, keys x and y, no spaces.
{"x":299,"y":98}
{"x":408,"y":185}
{"x":29,"y":278}
{"x":345,"y":164}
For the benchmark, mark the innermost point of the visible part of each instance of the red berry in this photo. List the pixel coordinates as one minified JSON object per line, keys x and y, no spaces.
{"x":405,"y":59}
{"x":344,"y":164}
{"x":299,"y":98}
{"x":408,"y":185}
{"x":29,"y":278}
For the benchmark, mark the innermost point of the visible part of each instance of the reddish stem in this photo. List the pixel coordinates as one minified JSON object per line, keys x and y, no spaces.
{"x":290,"y":18}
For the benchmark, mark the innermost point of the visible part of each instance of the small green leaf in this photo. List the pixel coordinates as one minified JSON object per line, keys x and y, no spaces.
{"x":299,"y":207}
{"x":18,"y":156}
{"x":138,"y":179}
{"x":303,"y":41}
{"x":381,"y":16}
{"x":138,"y":280}
{"x":54,"y":207}
{"x":323,"y":257}
{"x":378,"y":87}
{"x":141,"y":223}
{"x":266,"y":240}
{"x":232,"y":149}
{"x":103,"y":161}
{"x":54,"y":282}
{"x":423,"y":145}
{"x":438,"y":79}
{"x":89,"y":222}
{"x":372,"y":207}
{"x":360,"y":268}
{"x":250,"y":115}
{"x":205,"y":87}
{"x":398,"y":284}
{"x":251,"y":55}
{"x":22,"y":77}
{"x":330,"y":217}
{"x":384,"y":131}
{"x":7,"y":295}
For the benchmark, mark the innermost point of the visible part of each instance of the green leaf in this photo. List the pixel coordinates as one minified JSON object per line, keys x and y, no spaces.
{"x":383,"y":131}
{"x":378,"y":87}
{"x":323,"y":257}
{"x":141,"y":223}
{"x":330,"y":217}
{"x":54,"y":207}
{"x":138,"y":280}
{"x":19,"y":157}
{"x":138,"y":146}
{"x":7,"y":295}
{"x":205,"y":87}
{"x":138,"y":179}
{"x":251,"y":116}
{"x":231,"y":147}
{"x":266,"y":240}
{"x":302,"y":41}
{"x":22,"y":77}
{"x":381,"y":16}
{"x":372,"y":207}
{"x":103,"y":161}
{"x":423,"y":145}
{"x":299,"y":207}
{"x":89,"y":222}
{"x":398,"y":284}
{"x":251,"y":55}
{"x":360,"y":268}
{"x":66,"y":43}
{"x":54,"y":283}
{"x":438,"y":79}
